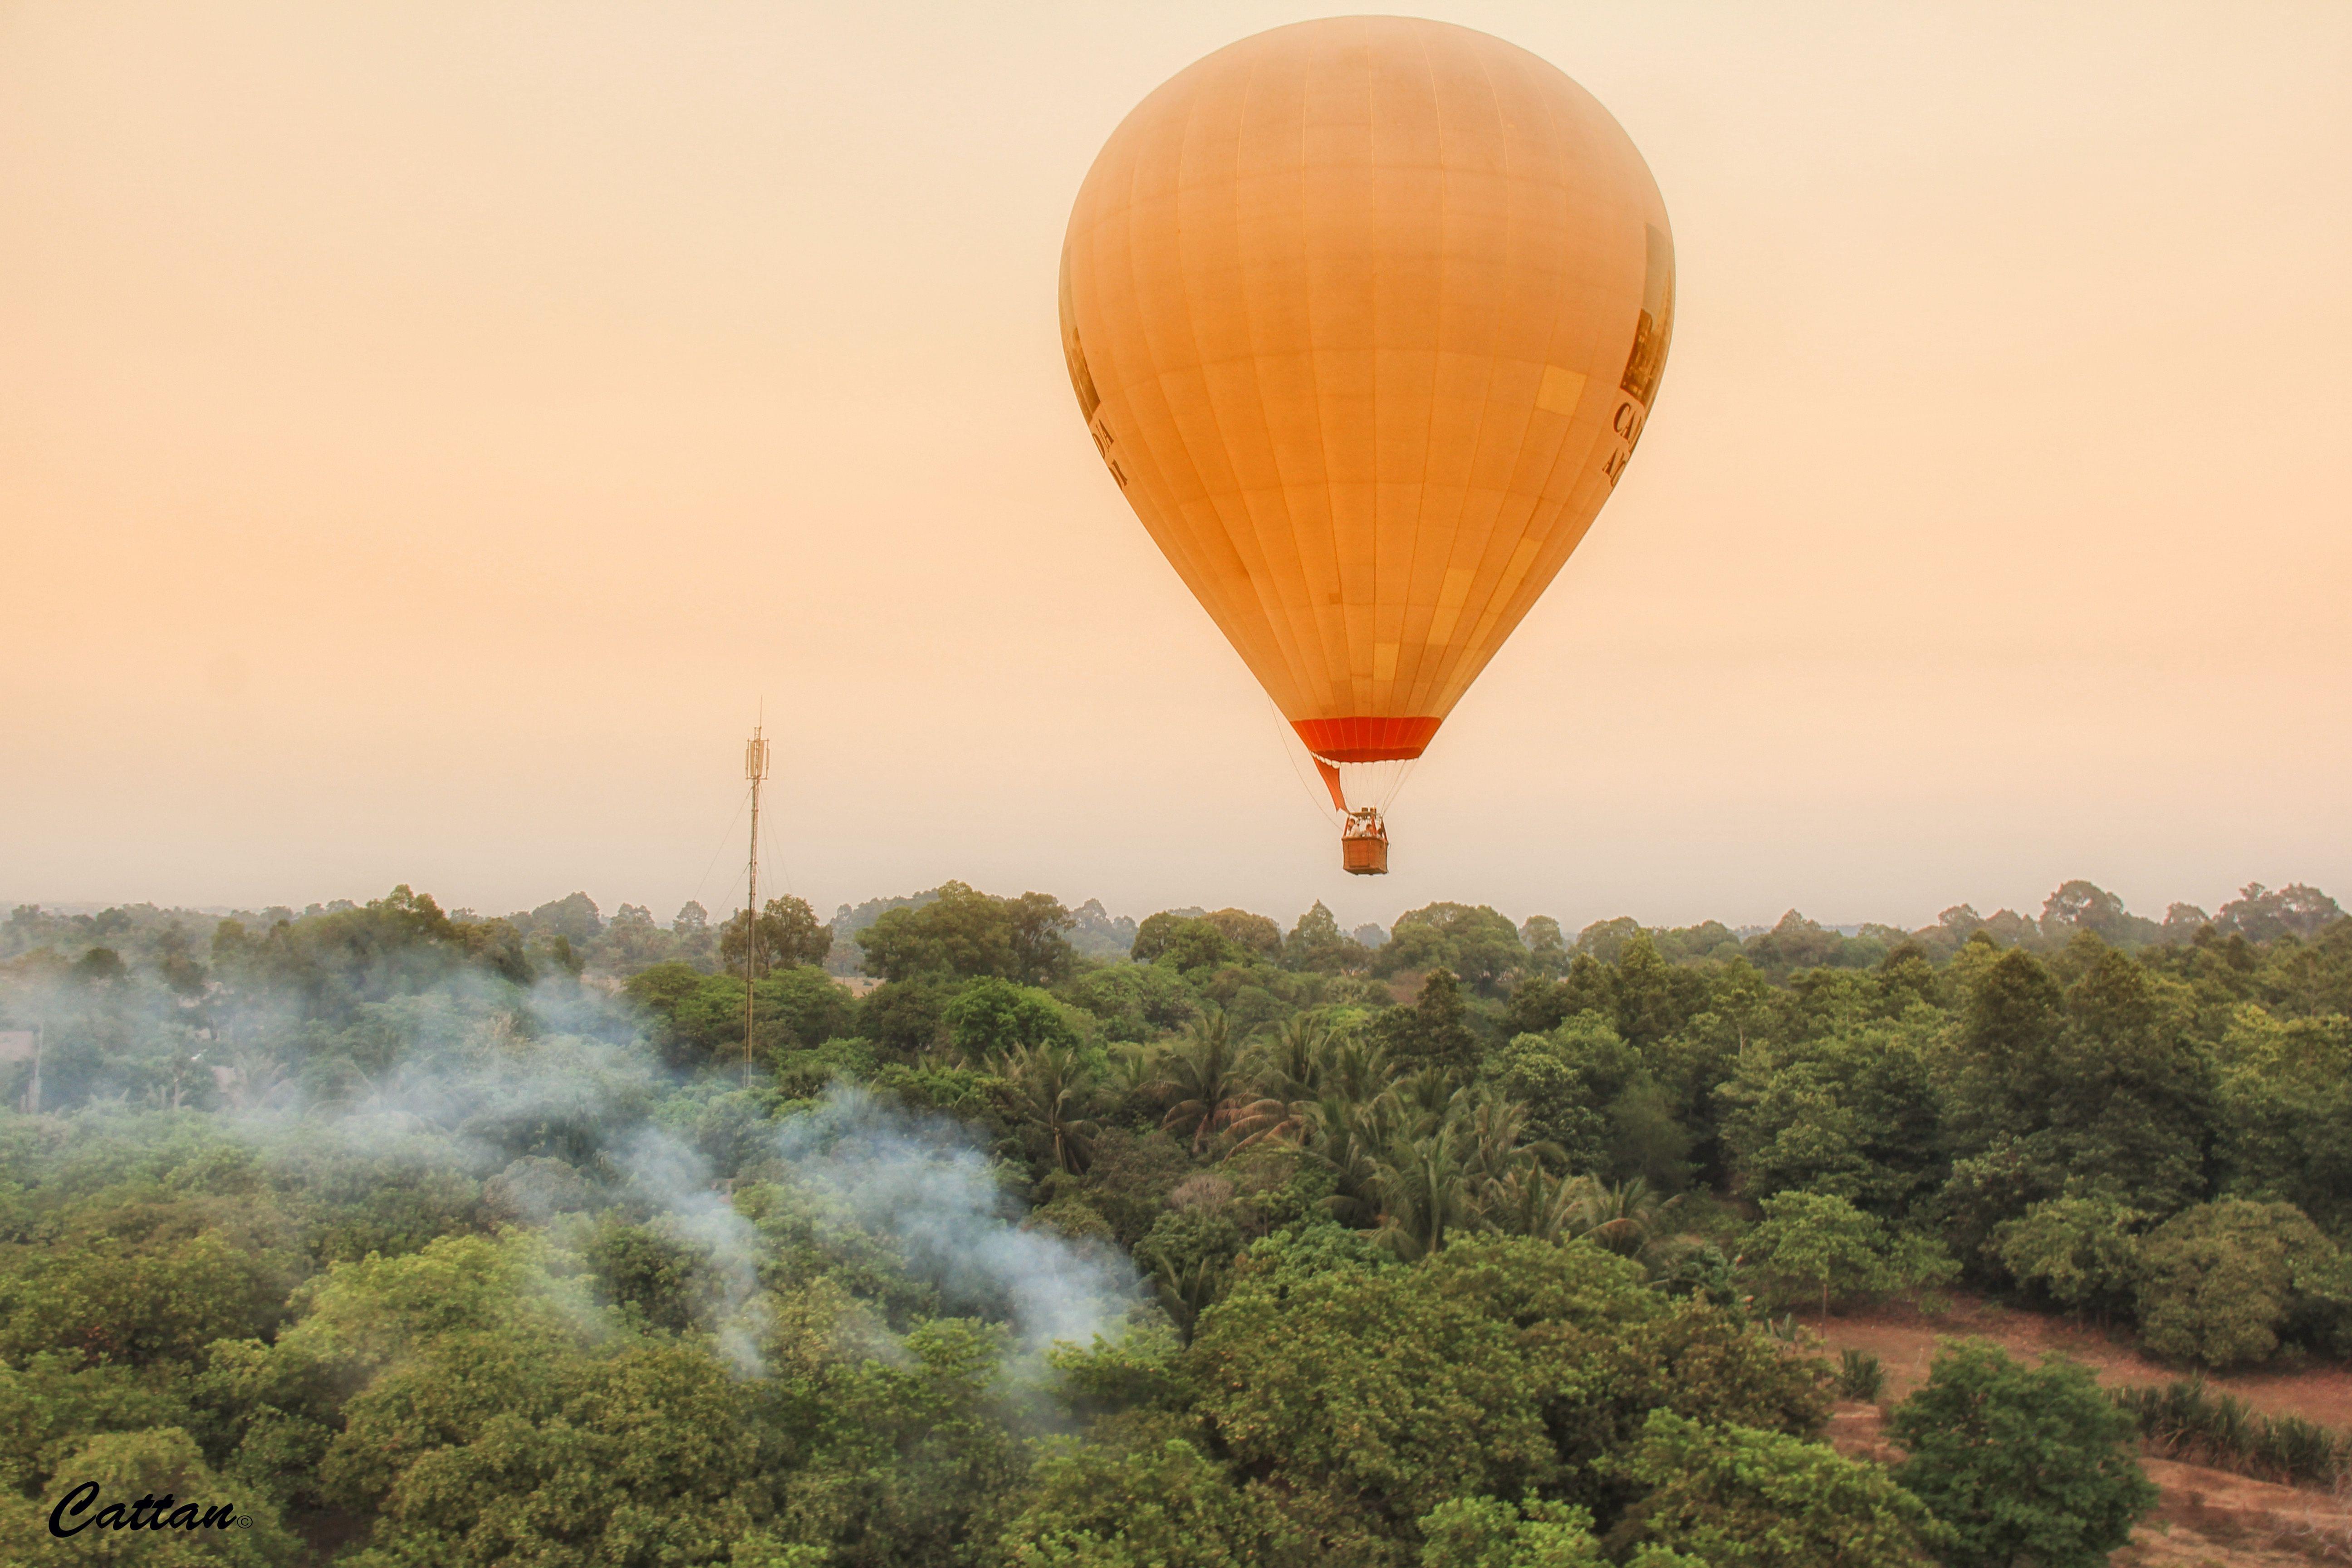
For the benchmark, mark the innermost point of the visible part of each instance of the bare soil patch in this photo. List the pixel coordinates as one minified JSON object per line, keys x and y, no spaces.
{"x":2214,"y":1517}
{"x":1903,"y":1338}
{"x":2207,"y":1517}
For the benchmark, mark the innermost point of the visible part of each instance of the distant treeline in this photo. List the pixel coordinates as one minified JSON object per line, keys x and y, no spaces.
{"x":574,"y":933}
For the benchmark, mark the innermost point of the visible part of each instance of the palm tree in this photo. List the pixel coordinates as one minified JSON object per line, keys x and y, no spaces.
{"x":1290,"y":1063}
{"x":1133,"y":1067}
{"x":1355,"y":1066}
{"x":1424,"y":1194}
{"x":253,"y":1077}
{"x":1347,"y":1136}
{"x":1531,"y":1201}
{"x":1494,"y":1134}
{"x":1627,"y":1218}
{"x":1200,"y":1067}
{"x":1285,"y":1074}
{"x":1425,"y":1096}
{"x":1186,"y":1293}
{"x":1414,"y":1157}
{"x":1047,"y":1082}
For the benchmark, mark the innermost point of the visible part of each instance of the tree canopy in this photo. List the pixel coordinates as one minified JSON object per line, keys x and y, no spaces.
{"x":1063,"y":1238}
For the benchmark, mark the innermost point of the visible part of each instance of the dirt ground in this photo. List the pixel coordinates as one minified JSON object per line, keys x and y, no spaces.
{"x":2207,"y":1518}
{"x":1905,"y":1340}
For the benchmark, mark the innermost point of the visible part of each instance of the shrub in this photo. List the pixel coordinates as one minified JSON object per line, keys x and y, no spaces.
{"x":2219,"y":1282}
{"x":1739,"y":1498}
{"x":1818,"y":1242}
{"x":2025,"y":1464}
{"x":2185,"y":1420}
{"x":111,"y":1300}
{"x":2082,"y":1253}
{"x":1860,"y":1374}
{"x":120,"y":1466}
{"x":1328,"y":1372}
{"x":1169,"y":1503}
{"x":1487,"y":1532}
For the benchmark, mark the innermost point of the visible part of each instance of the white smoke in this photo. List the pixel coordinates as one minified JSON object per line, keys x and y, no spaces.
{"x":920,"y":1183}
{"x":551,"y":1098}
{"x":675,"y":1180}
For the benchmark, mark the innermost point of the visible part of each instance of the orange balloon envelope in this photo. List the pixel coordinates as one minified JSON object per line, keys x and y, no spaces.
{"x":1366,"y":316}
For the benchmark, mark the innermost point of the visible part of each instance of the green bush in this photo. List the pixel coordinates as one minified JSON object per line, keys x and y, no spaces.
{"x":1739,"y":1498}
{"x":141,"y":1301}
{"x":2186,"y":1420}
{"x":2081,"y":1253}
{"x":121,"y":1466}
{"x":2220,"y":1282}
{"x":1487,"y":1532}
{"x":1860,"y":1374}
{"x":1398,"y":1386}
{"x":1815,"y":1242}
{"x":1168,"y":1504}
{"x":990,"y":1017}
{"x":2024,"y":1463}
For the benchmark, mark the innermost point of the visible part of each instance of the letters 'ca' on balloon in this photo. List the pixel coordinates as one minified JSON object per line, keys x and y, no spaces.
{"x":1366,"y":316}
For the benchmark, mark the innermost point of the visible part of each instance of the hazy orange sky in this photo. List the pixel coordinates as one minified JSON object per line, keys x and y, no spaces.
{"x":428,"y":431}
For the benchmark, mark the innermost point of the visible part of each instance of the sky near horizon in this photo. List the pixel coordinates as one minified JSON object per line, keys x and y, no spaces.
{"x":430,"y":432}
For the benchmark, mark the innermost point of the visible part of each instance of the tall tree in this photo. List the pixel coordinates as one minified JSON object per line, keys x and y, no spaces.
{"x":966,"y":932}
{"x":1434,"y":1032}
{"x":1318,"y":944}
{"x":786,"y":933}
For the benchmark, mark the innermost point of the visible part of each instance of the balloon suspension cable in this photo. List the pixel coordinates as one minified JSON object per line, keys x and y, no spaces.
{"x":1359,"y":795}
{"x":1357,"y":785}
{"x":1385,"y":781}
{"x":1292,"y":750}
{"x":1349,"y":786}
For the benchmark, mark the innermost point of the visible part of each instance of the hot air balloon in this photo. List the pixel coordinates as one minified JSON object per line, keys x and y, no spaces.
{"x":1366,"y":316}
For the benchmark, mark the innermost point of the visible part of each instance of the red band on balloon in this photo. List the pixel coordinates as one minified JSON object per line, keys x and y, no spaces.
{"x":1366,"y":740}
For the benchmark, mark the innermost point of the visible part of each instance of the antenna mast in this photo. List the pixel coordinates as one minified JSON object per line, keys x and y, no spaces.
{"x":755,"y":768}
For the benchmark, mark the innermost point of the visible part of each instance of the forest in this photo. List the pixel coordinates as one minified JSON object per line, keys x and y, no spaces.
{"x":1015,"y":1234}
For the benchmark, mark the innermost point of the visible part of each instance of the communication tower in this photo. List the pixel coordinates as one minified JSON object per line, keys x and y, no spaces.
{"x":755,"y":769}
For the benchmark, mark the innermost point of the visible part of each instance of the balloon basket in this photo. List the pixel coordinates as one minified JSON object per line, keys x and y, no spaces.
{"x":1364,"y":845}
